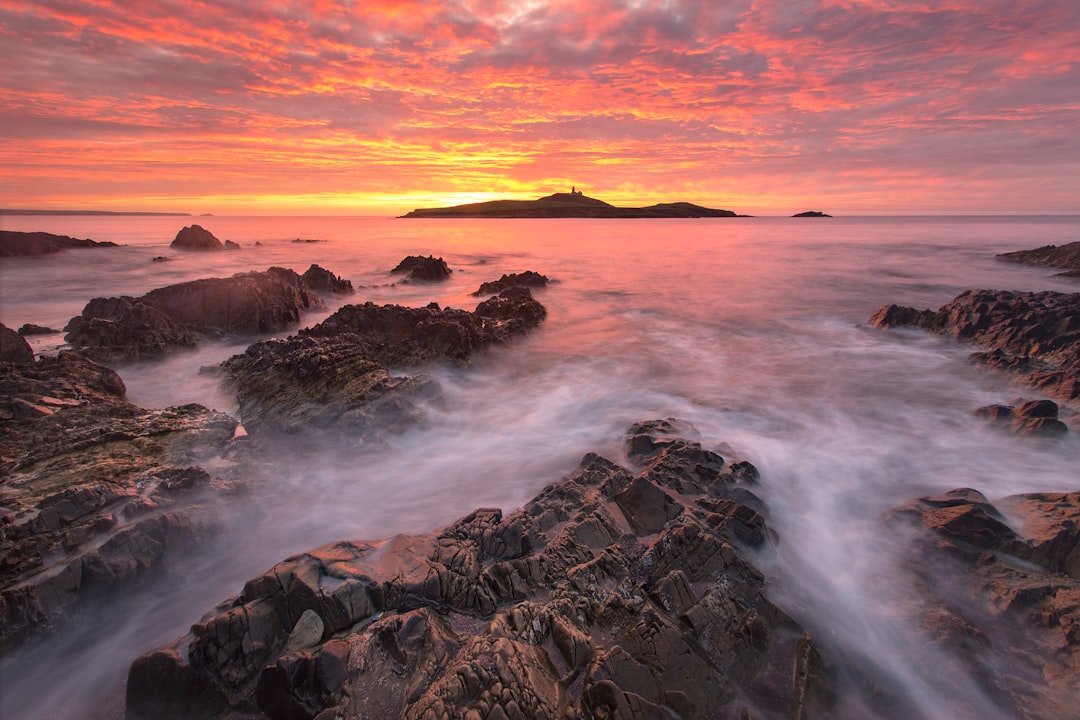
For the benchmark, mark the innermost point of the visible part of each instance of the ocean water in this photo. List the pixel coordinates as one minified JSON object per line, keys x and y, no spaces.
{"x":751,"y":328}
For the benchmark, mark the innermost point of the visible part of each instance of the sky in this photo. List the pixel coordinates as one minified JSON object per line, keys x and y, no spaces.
{"x":371,"y":107}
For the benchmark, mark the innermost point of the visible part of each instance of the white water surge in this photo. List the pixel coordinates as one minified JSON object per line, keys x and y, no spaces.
{"x":752,"y":329}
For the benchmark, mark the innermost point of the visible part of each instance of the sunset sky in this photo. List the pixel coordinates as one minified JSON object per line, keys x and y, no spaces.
{"x":368,"y":107}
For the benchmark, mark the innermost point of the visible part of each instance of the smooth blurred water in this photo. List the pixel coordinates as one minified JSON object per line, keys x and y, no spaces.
{"x":752,"y":328}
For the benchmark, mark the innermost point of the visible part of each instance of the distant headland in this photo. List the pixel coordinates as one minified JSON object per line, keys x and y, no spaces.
{"x":573,"y":204}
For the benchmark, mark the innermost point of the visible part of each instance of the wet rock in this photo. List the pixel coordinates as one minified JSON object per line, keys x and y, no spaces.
{"x":196,"y":237}
{"x":1033,"y":335}
{"x":573,"y":607}
{"x":998,"y":592}
{"x":1064,"y":257}
{"x":230,"y":245}
{"x":320,"y":279}
{"x":122,"y":329}
{"x":529,"y":278}
{"x":1033,"y":417}
{"x":98,"y":493}
{"x":425,"y":269}
{"x":28,"y":244}
{"x":27,"y":329}
{"x":13,"y":348}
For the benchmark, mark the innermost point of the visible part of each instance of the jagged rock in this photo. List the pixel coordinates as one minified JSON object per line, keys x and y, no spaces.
{"x":1032,"y":417}
{"x":426,"y":269}
{"x":529,"y":278}
{"x":121,"y":329}
{"x":230,"y":245}
{"x":1034,"y":335}
{"x":13,"y":348}
{"x":22,"y":244}
{"x":1065,"y":257}
{"x":999,"y":592}
{"x":196,"y":237}
{"x":97,"y":492}
{"x":560,"y":610}
{"x":31,"y":329}
{"x":322,"y":280}
{"x":311,"y":383}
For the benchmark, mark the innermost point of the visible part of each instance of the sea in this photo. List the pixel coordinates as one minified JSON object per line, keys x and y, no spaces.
{"x":753,"y":329}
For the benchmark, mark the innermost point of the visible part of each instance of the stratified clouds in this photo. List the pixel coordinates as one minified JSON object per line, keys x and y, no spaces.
{"x":751,"y":104}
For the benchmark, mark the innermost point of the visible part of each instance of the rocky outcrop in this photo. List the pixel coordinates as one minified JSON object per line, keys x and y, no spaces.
{"x":615,"y":593}
{"x":529,"y":278}
{"x":13,"y":348}
{"x":425,"y":269}
{"x":29,"y":244}
{"x":196,"y":237}
{"x":1035,"y":335}
{"x":322,"y":280}
{"x":999,"y":593}
{"x":122,"y":329}
{"x":1030,"y":417}
{"x":1064,"y":257}
{"x":27,"y":329}
{"x":336,"y":374}
{"x":95,"y":493}
{"x":812,"y":213}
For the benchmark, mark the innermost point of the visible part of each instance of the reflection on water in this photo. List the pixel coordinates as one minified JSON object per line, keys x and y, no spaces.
{"x":750,"y":328}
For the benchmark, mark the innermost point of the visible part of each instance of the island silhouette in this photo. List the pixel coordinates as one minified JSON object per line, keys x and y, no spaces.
{"x":573,"y":204}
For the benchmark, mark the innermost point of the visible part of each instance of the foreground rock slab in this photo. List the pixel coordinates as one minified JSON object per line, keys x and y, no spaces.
{"x":615,"y":593}
{"x":1035,"y":335}
{"x":95,"y":493}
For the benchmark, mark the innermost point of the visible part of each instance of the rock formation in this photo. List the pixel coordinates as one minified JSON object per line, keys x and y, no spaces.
{"x":529,"y":278}
{"x":1035,"y":335}
{"x":22,"y":244}
{"x":812,"y":213}
{"x":998,"y":592}
{"x":322,"y":280}
{"x":615,"y":593}
{"x":1065,"y":257}
{"x":13,"y":347}
{"x":122,"y":329}
{"x":425,"y":269}
{"x":335,"y":374}
{"x":1031,"y":417}
{"x":95,"y":493}
{"x":196,"y":237}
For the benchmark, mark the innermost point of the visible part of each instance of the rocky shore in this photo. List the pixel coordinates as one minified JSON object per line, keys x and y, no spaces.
{"x":31,"y":244}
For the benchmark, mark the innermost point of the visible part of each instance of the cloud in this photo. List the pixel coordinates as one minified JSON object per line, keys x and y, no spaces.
{"x":492,"y":94}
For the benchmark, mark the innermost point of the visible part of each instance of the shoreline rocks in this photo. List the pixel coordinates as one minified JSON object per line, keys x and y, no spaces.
{"x":423,"y":269}
{"x":124,"y":329}
{"x":33,"y":244}
{"x":1065,"y":257}
{"x":614,"y":593}
{"x":1033,"y":335}
{"x":529,"y":278}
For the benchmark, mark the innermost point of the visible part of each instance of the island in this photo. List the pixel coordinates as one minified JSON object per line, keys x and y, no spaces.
{"x":812,"y":213}
{"x":573,"y":204}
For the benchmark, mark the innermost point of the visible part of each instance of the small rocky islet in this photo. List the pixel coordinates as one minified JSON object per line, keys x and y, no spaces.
{"x":632,"y":589}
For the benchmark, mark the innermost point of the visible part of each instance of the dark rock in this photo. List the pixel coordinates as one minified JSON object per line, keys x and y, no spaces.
{"x":427,"y":269}
{"x":1034,"y":335}
{"x":24,"y":244}
{"x":196,"y":237}
{"x":557,"y":611}
{"x":1000,"y":598}
{"x":97,"y":493}
{"x":1033,"y":417}
{"x":529,"y":278}
{"x":812,"y":213}
{"x":178,"y":316}
{"x":1064,"y":257}
{"x":14,"y":348}
{"x":322,"y":280}
{"x":160,"y":258}
{"x":30,"y":329}
{"x":230,"y":245}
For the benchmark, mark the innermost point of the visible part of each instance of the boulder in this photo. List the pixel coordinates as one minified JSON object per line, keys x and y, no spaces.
{"x":196,"y":237}
{"x":426,"y":269}
{"x":123,"y":329}
{"x":97,"y":494}
{"x":1035,"y":335}
{"x":27,"y":329}
{"x":29,"y":244}
{"x":997,"y":591}
{"x":560,"y":610}
{"x":529,"y":278}
{"x":14,"y":348}
{"x":1031,"y":417}
{"x":322,"y":280}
